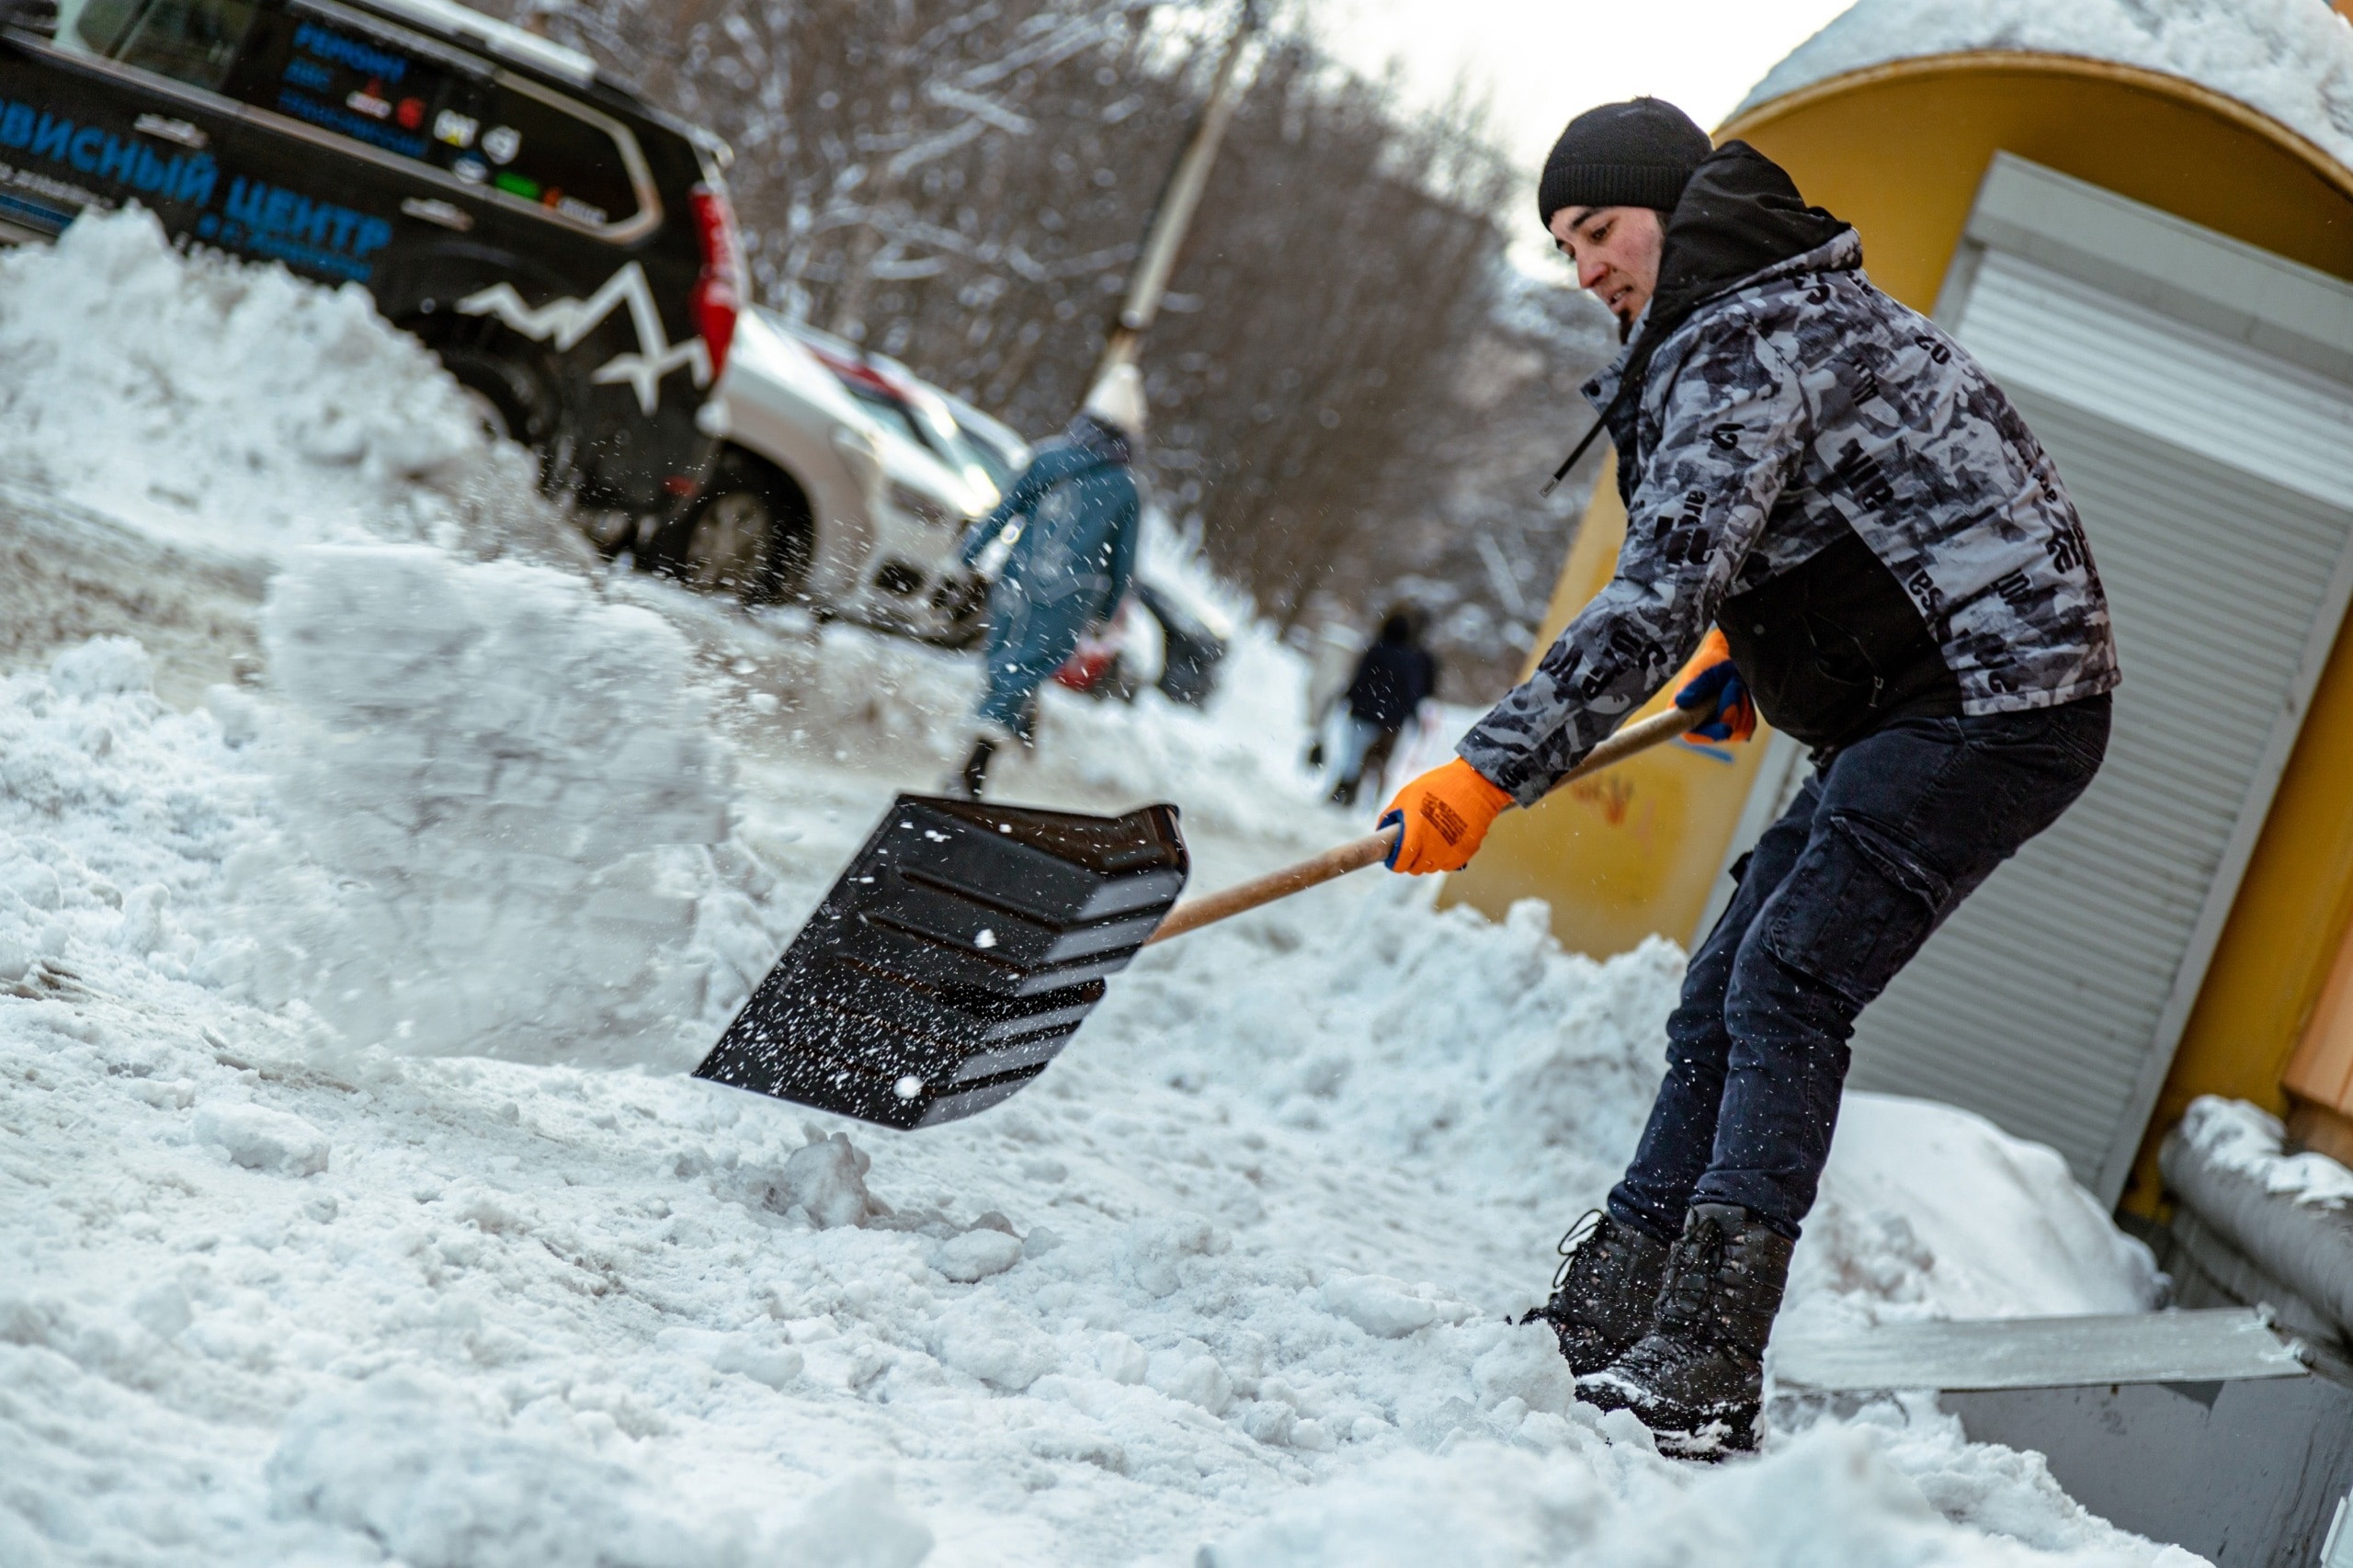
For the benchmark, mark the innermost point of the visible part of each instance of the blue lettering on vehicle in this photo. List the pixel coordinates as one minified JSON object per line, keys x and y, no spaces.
{"x":358,"y":127}
{"x":93,"y":150}
{"x":323,"y":236}
{"x":344,"y":50}
{"x":291,"y":227}
{"x":52,"y":138}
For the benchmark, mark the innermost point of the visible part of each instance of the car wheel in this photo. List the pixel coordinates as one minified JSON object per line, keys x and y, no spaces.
{"x":511,"y":386}
{"x":488,"y":412}
{"x":516,"y":401}
{"x":749,"y":535}
{"x":961,"y":605}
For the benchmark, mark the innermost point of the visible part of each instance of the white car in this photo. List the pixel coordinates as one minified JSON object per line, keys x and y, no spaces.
{"x":823,"y":494}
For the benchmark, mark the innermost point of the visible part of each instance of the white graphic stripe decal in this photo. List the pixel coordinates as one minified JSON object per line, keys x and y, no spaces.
{"x":566,"y":321}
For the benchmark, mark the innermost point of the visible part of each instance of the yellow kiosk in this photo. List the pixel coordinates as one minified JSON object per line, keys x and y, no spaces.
{"x":2162,"y":278}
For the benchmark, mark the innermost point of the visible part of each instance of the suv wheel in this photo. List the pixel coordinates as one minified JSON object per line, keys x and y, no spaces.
{"x":511,"y":387}
{"x":751,"y":534}
{"x":512,"y":396}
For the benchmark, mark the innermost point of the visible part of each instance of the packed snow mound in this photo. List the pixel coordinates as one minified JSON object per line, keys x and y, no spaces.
{"x":2290,"y":58}
{"x":2246,"y":1138}
{"x":1834,"y":1495}
{"x":507,"y":819}
{"x":237,"y":407}
{"x":1176,"y":1295}
{"x":1928,"y":1211}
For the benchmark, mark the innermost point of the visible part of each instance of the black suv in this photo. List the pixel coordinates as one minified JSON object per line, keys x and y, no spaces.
{"x":567,"y":250}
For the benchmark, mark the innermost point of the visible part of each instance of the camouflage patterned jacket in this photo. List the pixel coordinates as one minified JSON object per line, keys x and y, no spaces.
{"x":1827,"y":475}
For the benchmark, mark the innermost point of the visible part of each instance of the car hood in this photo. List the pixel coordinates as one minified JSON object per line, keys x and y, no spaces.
{"x":908,"y":463}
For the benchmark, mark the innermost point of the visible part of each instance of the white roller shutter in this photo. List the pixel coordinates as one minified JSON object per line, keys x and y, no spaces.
{"x":2215,"y":481}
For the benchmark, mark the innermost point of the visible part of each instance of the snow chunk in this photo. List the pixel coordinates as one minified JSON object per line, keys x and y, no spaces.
{"x":436,"y":1488}
{"x":858,"y":1523}
{"x":778,"y":1366}
{"x":2290,"y":59}
{"x":976,"y":1255}
{"x":2250,"y":1140}
{"x":261,"y":1138}
{"x":1121,"y":1359}
{"x":826,"y":1179}
{"x":983,"y":1338}
{"x":103,"y":666}
{"x":1526,"y":1365}
{"x":517,"y":790}
{"x":1389,"y":1309}
{"x":1190,"y":1373}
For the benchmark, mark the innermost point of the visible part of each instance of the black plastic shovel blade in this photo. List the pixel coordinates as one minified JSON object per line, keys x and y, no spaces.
{"x":964,"y":946}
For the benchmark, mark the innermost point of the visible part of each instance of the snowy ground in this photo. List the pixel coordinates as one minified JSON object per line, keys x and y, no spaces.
{"x":357,"y":1209}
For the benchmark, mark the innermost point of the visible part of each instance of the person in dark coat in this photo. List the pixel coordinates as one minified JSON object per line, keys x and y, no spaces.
{"x":1393,"y":680}
{"x":1067,"y":534}
{"x":1899,"y":581}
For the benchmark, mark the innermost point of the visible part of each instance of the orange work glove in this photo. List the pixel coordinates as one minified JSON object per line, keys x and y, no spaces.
{"x":1445,"y":814}
{"x":1711,"y":683}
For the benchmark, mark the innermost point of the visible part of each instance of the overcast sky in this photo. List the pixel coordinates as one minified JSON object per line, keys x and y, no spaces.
{"x":1545,"y":60}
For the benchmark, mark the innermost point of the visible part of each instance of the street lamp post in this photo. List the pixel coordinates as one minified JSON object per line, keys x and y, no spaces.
{"x":1174,"y":214}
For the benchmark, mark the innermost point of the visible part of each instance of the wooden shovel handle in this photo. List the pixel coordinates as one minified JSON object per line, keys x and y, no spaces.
{"x":1374,"y":847}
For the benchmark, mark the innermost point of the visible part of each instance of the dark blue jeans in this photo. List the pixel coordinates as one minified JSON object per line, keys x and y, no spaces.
{"x":1882,"y":843}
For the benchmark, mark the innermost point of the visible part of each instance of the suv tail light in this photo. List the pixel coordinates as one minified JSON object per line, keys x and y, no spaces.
{"x":719,"y":290}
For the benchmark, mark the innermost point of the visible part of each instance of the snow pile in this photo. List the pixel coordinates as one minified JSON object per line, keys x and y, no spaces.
{"x":1930,"y":1211}
{"x":509,"y":819}
{"x":1231,"y":1283}
{"x":2290,"y":59}
{"x":1235,"y":1271}
{"x":239,"y":408}
{"x":112,"y":808}
{"x":2240,"y":1137}
{"x":1857,"y":1493}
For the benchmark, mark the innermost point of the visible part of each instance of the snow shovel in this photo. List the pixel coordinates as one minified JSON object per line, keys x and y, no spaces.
{"x":967,"y":942}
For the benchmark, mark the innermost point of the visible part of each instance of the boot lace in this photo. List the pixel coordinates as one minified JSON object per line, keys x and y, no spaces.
{"x":1588,"y":1225}
{"x":1699,"y":1258}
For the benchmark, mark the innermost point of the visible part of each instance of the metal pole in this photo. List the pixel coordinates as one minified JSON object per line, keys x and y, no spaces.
{"x":1166,"y":237}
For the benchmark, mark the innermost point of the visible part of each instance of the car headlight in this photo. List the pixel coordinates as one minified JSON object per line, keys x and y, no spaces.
{"x":923,"y":506}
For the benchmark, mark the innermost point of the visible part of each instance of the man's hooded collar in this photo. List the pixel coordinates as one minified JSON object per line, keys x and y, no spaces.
{"x":1739,"y":222}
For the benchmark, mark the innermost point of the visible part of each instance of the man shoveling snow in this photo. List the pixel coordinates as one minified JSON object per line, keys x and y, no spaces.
{"x":1898,"y":579}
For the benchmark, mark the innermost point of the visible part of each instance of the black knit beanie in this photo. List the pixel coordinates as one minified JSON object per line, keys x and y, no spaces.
{"x":1630,"y":154}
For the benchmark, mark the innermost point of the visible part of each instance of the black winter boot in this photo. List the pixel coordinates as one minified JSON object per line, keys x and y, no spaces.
{"x":1604,"y":1292}
{"x":974,"y":777}
{"x":1697,"y":1379}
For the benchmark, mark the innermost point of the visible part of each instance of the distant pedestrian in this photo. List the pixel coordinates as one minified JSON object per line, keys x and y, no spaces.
{"x":1396,"y":677}
{"x":1067,"y":532}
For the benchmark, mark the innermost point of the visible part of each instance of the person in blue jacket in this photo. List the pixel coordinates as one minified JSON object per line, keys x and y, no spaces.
{"x":1065,"y":535}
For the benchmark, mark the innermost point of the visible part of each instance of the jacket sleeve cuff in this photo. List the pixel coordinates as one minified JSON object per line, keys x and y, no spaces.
{"x":1509,"y":773}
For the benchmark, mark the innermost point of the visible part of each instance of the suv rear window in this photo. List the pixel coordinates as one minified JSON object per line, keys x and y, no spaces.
{"x":541,"y":151}
{"x":412,"y":96}
{"x":374,"y":88}
{"x":189,"y":40}
{"x":396,"y":91}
